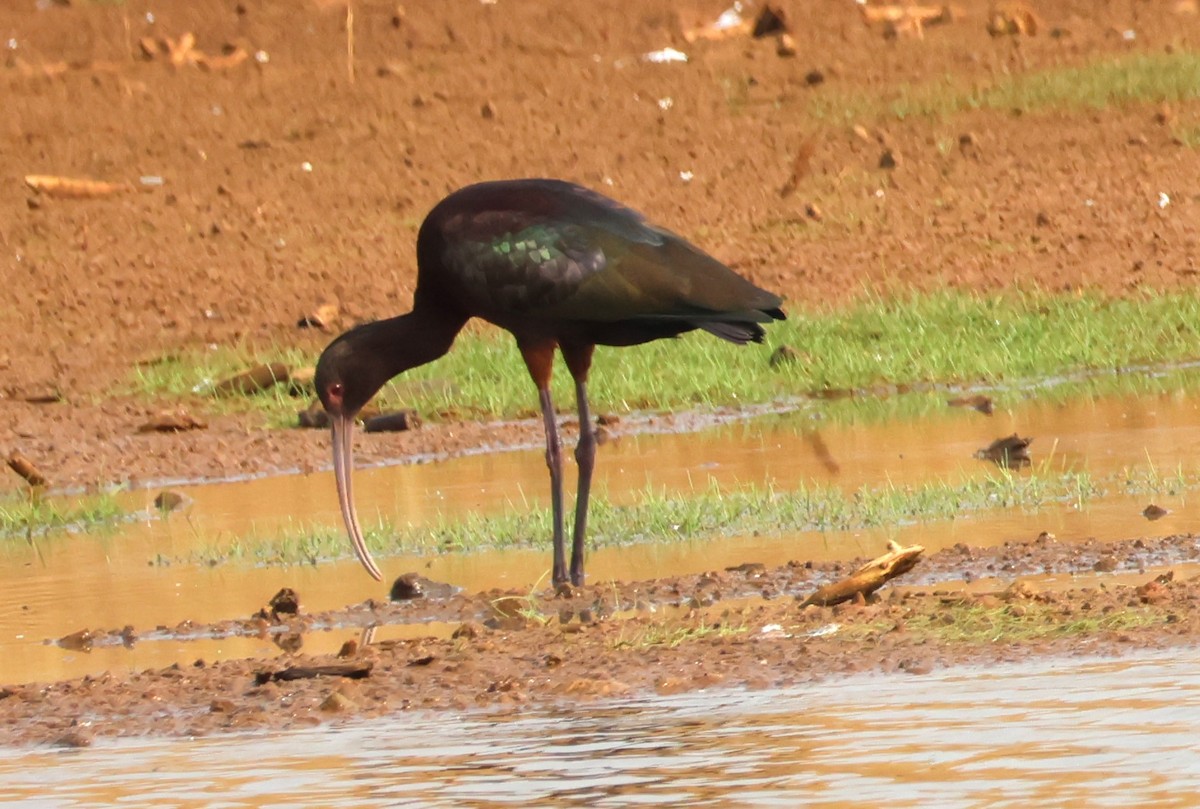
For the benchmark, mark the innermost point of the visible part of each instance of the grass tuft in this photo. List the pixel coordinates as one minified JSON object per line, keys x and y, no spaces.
{"x":1145,"y":78}
{"x":975,"y":623}
{"x":32,"y":516}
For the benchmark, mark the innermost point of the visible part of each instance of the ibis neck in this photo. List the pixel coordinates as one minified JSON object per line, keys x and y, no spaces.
{"x":400,"y":343}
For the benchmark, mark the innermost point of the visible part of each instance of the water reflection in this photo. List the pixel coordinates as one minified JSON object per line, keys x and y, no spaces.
{"x":67,"y":583}
{"x":1060,"y":732}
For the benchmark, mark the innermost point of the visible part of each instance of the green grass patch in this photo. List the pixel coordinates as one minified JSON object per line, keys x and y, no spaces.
{"x":670,"y":634}
{"x":944,"y":338}
{"x":660,"y":517}
{"x":191,"y":375}
{"x":26,"y":517}
{"x":1024,"y":621}
{"x":1129,"y":79}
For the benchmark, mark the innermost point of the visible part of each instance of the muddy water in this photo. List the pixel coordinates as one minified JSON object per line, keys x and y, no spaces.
{"x":64,"y":583}
{"x":1063,"y":733}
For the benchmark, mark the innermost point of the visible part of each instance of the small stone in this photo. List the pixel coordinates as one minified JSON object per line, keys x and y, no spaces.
{"x":285,"y":602}
{"x":314,"y":417}
{"x":177,"y":421}
{"x":1153,"y":512}
{"x":1019,"y":590}
{"x":337,"y":702}
{"x":487,"y":111}
{"x":769,"y":21}
{"x":467,"y":630}
{"x":407,"y":587}
{"x":1010,"y":452}
{"x":169,"y":500}
{"x":74,"y":738}
{"x":784,"y":355}
{"x":749,"y":569}
{"x":80,"y":641}
{"x":889,"y":159}
{"x":785,"y":47}
{"x":1152,"y":592}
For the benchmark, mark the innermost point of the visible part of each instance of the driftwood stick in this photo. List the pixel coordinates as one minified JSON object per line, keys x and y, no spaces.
{"x":355,"y":671}
{"x":868,"y":578}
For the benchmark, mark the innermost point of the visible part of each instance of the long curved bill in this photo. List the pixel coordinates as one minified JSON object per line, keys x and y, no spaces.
{"x":343,"y":467}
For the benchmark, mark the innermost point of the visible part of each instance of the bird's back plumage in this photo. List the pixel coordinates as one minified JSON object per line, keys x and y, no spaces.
{"x":530,"y":253}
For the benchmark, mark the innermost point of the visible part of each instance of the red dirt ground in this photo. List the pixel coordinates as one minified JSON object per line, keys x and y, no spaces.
{"x":286,"y":185}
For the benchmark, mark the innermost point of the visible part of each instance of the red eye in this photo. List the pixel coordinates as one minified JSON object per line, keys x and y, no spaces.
{"x":336,"y":390}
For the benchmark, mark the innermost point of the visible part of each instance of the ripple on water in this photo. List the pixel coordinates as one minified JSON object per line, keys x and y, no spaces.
{"x":1079,"y":732}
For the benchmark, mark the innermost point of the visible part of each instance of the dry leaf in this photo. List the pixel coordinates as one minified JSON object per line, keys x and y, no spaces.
{"x":1014,"y":19}
{"x":897,"y":19}
{"x":181,"y":51}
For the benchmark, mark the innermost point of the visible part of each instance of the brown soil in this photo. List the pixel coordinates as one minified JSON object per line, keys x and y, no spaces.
{"x":735,"y":628}
{"x":285,"y":186}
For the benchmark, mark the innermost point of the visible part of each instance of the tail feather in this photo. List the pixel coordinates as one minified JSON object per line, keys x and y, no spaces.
{"x":740,"y":333}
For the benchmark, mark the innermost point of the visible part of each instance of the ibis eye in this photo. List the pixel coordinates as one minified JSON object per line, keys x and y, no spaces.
{"x":337,"y":389}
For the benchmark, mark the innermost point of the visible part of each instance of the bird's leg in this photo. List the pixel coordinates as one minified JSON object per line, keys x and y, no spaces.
{"x":554,"y":462}
{"x":585,"y":456}
{"x":539,"y":359}
{"x":579,"y":361}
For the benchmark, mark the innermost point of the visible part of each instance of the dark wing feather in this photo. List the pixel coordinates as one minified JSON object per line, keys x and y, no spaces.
{"x":510,"y":262}
{"x":552,"y":250}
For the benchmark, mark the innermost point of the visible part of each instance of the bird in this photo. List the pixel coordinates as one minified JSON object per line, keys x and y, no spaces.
{"x":562,"y":268}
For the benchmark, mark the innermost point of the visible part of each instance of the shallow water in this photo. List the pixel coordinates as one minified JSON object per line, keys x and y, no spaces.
{"x":65,"y":583}
{"x":1081,"y":732}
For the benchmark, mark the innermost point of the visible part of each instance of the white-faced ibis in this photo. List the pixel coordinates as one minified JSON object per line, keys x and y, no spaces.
{"x":560,"y":267}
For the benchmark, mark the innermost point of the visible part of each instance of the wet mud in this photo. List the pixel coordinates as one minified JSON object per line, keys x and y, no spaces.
{"x":741,"y":627}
